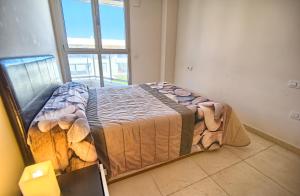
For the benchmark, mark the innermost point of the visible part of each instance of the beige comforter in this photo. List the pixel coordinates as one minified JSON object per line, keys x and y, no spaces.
{"x":140,"y":129}
{"x":135,"y":127}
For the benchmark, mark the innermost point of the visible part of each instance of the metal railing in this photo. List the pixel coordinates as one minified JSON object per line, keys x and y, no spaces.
{"x":88,"y":71}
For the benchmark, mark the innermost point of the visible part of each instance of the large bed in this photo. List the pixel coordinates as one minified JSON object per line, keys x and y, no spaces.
{"x":126,"y":128}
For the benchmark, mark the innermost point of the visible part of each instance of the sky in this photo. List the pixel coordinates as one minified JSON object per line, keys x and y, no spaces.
{"x":79,"y":24}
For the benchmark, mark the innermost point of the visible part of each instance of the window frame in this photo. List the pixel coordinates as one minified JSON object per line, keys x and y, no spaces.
{"x":64,"y":49}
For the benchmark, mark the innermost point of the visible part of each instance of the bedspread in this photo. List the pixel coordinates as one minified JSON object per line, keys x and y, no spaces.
{"x":130,"y":128}
{"x":133,"y":128}
{"x":140,"y":125}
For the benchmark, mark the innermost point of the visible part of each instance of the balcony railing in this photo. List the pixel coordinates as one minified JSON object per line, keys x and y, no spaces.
{"x":85,"y":69}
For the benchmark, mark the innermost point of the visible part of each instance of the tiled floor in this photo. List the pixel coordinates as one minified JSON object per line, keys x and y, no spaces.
{"x":262,"y":168}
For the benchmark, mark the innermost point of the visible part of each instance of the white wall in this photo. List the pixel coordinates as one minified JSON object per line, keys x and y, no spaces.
{"x":168,"y":40}
{"x":145,"y":40}
{"x":243,"y":52}
{"x":25,"y":29}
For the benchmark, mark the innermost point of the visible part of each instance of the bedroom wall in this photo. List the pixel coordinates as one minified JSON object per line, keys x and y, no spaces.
{"x":243,"y":52}
{"x":168,"y":40}
{"x":145,"y":40}
{"x":25,"y":29}
{"x":11,"y":163}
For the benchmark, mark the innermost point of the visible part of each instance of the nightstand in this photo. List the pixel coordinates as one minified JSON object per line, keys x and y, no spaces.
{"x":88,"y":181}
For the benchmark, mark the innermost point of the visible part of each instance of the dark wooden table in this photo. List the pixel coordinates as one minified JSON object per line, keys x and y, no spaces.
{"x":84,"y":182}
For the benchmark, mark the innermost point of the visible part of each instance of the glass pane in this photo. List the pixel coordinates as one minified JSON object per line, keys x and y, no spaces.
{"x":115,"y":69}
{"x":79,"y":23}
{"x":85,"y":69}
{"x":112,"y":22}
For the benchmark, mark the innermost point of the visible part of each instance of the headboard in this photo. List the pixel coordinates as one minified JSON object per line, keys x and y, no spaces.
{"x":26,"y":84}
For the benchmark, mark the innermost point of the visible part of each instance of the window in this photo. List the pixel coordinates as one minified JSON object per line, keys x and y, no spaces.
{"x":95,"y":34}
{"x":85,"y":69}
{"x":112,"y":22}
{"x":78,"y":19}
{"x":116,"y":69}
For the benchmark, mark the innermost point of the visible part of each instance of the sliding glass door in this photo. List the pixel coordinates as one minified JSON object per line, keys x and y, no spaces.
{"x":96,"y":41}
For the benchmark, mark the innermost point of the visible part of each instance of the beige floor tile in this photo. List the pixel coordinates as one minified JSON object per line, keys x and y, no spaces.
{"x":140,"y":185}
{"x":281,"y":165}
{"x":205,"y":187}
{"x":214,"y":161}
{"x":257,"y":144}
{"x":242,"y":179}
{"x":174,"y":176}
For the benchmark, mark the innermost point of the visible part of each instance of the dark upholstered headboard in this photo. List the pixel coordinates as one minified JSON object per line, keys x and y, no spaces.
{"x":26,"y":85}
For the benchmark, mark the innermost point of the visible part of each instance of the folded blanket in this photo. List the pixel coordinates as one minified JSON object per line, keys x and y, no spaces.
{"x":60,"y":132}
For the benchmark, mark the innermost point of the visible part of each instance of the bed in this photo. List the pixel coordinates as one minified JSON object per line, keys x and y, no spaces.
{"x":127,"y":129}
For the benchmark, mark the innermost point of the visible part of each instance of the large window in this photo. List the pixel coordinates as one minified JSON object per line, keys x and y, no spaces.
{"x":95,"y":34}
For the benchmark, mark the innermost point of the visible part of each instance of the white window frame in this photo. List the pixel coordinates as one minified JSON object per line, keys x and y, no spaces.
{"x":63,"y":48}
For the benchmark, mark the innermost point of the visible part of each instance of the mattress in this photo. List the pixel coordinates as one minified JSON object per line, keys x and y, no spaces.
{"x":134,"y":127}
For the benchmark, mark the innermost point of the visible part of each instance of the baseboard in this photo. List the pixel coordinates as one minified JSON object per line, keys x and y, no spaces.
{"x":280,"y":142}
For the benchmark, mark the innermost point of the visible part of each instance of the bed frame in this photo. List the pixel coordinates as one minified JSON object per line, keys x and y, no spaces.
{"x":26,"y":84}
